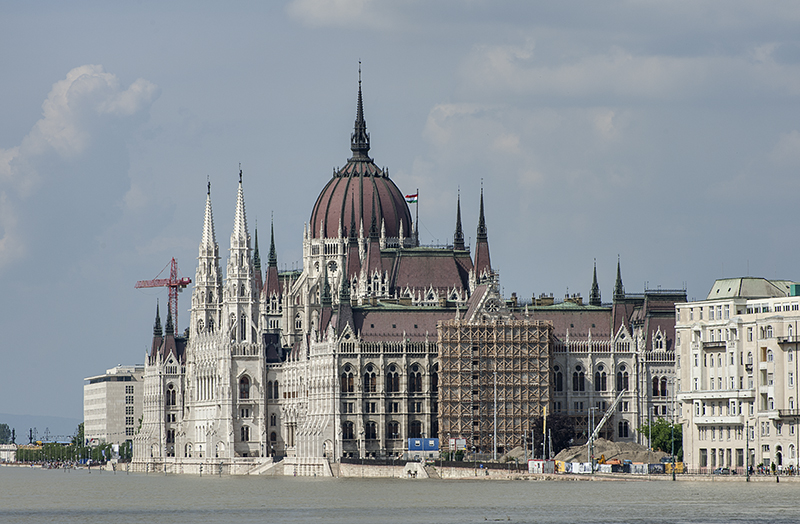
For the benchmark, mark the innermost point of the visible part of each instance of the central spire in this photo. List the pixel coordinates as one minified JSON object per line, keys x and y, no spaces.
{"x":359,"y":140}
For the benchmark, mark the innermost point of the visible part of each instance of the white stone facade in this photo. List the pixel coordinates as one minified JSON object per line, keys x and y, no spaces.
{"x":738,"y":372}
{"x":112,"y":404}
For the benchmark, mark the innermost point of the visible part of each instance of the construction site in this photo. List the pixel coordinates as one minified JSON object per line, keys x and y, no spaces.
{"x":495,"y":381}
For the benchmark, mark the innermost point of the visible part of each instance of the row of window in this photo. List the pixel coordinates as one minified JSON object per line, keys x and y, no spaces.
{"x":371,"y":430}
{"x":600,"y":380}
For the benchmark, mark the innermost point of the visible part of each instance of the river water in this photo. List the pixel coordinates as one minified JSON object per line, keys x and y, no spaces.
{"x":36,"y":495}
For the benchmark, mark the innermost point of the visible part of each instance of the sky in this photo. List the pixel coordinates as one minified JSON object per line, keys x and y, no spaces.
{"x":663,"y":133}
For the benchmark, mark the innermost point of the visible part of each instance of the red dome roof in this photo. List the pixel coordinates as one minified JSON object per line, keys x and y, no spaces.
{"x":350,"y":193}
{"x":358,"y":188}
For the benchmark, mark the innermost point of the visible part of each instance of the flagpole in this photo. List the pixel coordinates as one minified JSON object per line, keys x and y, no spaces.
{"x":416,"y":220}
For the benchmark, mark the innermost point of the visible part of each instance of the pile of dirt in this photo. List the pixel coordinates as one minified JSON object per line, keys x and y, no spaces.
{"x":612,"y":450}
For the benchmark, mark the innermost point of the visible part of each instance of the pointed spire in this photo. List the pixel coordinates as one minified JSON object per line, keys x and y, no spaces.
{"x":170,"y":329}
{"x":157,"y":327}
{"x":359,"y":140}
{"x":239,"y":236}
{"x":594,"y":296}
{"x":326,"y":287}
{"x":353,"y":236}
{"x":482,"y":233}
{"x":458,"y":238}
{"x":344,"y":290}
{"x":273,"y":255}
{"x":209,"y":237}
{"x":256,"y":256}
{"x":374,"y":234}
{"x":619,"y":289}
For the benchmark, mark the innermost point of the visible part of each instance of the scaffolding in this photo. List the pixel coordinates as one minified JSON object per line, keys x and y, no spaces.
{"x":472,"y":355}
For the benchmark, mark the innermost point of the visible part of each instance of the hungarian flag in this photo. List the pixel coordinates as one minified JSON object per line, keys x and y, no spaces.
{"x":412,"y":199}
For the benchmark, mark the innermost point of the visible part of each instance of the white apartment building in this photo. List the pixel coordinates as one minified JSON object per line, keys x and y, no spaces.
{"x":737,"y":367}
{"x":112,"y":404}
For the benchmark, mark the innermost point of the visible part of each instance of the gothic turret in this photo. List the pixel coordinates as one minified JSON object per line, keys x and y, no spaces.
{"x":619,"y":289}
{"x":359,"y":140}
{"x":594,"y":296}
{"x":458,"y":237}
{"x":207,"y":293}
{"x":258,"y":283}
{"x":158,"y":335}
{"x":483,"y":264}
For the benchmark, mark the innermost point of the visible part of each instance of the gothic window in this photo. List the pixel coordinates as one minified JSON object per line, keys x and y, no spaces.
{"x":655,"y":386}
{"x":558,"y":379}
{"x":622,"y":429}
{"x":578,"y":381}
{"x":371,"y":431}
{"x":187,"y":451}
{"x":243,"y":328}
{"x":347,"y":381}
{"x":369,"y":382}
{"x":273,"y":419}
{"x":200,"y":326}
{"x":663,"y":386}
{"x":170,"y":400}
{"x":244,"y":387}
{"x":392,"y":380}
{"x":435,"y":379}
{"x":415,"y":380}
{"x":273,"y":437}
{"x":170,"y":436}
{"x":347,"y":430}
{"x":393,"y":430}
{"x":210,"y":325}
{"x":622,"y":379}
{"x":600,"y":381}
{"x":275,"y":390}
{"x":415,"y":429}
{"x":269,"y":389}
{"x":298,"y":322}
{"x":245,"y":433}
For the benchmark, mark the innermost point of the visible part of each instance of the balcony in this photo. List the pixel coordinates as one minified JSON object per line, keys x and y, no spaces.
{"x":789,"y":340}
{"x":714,"y":345}
{"x":720,"y":419}
{"x":788,"y":413}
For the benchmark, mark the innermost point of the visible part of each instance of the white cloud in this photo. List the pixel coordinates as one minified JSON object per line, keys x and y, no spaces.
{"x":340,"y":13}
{"x":77,"y":111}
{"x":618,"y":72}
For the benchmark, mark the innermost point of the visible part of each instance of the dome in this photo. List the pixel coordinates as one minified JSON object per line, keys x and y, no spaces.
{"x":358,"y":188}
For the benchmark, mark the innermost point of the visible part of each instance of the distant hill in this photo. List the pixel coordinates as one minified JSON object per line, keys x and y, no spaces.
{"x":59,"y":427}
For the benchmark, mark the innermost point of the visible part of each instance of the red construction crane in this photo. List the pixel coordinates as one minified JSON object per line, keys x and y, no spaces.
{"x":174,"y":284}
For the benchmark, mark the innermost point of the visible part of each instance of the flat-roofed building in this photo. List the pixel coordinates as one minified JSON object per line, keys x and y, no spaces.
{"x":738,"y":369}
{"x":112,"y":404}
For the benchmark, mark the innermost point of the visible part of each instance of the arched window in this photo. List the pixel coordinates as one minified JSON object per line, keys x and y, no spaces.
{"x":298,"y":322}
{"x":273,"y":419}
{"x":371,"y":431}
{"x":750,"y":358}
{"x":769,"y":331}
{"x":435,"y":379}
{"x":663,"y":386}
{"x":600,"y":381}
{"x":558,"y":380}
{"x":273,"y":437}
{"x":200,"y":326}
{"x":622,"y":379}
{"x":171,"y":397}
{"x":415,"y":380}
{"x":243,"y":327}
{"x":245,"y":433}
{"x":392,"y":380}
{"x":269,"y":389}
{"x":415,"y":429}
{"x":244,"y":387}
{"x":393,"y":430}
{"x":347,"y":381}
{"x":655,"y":386}
{"x":210,"y":325}
{"x":622,"y":429}
{"x":770,"y":356}
{"x":578,"y":380}
{"x":187,"y":451}
{"x":370,"y":380}
{"x":347,"y":430}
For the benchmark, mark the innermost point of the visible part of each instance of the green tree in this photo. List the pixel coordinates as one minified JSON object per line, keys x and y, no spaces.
{"x":5,"y":434}
{"x":662,"y":436}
